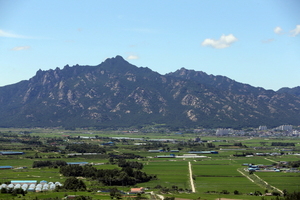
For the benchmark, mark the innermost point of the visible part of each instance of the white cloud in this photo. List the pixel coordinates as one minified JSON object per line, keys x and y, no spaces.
{"x":132,"y":57}
{"x":11,"y":35}
{"x":224,"y":41}
{"x":278,"y":30}
{"x":295,"y":31}
{"x":20,"y":48}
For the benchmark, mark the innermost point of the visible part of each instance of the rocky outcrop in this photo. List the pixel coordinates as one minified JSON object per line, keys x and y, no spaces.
{"x":116,"y":93}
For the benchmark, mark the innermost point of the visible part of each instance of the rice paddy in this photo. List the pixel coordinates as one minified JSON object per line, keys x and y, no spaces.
{"x":212,"y":176}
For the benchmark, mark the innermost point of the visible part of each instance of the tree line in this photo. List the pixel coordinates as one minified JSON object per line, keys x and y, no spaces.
{"x":133,"y":164}
{"x":48,"y":163}
{"x":109,"y":177}
{"x":282,"y":144}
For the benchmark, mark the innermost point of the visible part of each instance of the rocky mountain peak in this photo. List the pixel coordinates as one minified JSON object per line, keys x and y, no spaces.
{"x":117,"y":93}
{"x":118,"y":60}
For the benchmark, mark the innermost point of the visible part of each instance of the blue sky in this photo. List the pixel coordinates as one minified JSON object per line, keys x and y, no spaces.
{"x":253,"y":42}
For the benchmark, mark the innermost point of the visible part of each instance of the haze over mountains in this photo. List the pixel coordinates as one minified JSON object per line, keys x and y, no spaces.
{"x":116,"y":93}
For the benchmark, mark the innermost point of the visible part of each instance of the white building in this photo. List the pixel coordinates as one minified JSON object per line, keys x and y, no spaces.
{"x":222,"y":131}
{"x":262,"y":128}
{"x":285,"y":127}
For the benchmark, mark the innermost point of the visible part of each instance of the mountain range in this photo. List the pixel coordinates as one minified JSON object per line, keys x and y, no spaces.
{"x":116,"y":93}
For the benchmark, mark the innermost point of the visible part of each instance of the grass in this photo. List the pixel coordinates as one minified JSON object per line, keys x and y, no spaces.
{"x":168,"y":172}
{"x":288,"y":181}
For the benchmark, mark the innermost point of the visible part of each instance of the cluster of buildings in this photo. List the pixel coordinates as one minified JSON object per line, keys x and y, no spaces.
{"x":191,"y":154}
{"x":269,"y":168}
{"x":285,"y":128}
{"x":31,"y":185}
{"x":261,"y":131}
{"x":264,"y":168}
{"x":183,"y":156}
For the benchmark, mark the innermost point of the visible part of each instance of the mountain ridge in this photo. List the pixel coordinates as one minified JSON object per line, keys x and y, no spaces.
{"x":117,"y":93}
{"x":294,"y":91}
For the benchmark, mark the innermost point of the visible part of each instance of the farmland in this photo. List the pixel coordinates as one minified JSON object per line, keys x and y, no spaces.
{"x":214,"y":176}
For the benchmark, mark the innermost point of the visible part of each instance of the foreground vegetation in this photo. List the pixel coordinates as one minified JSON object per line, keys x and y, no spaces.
{"x":115,"y":165}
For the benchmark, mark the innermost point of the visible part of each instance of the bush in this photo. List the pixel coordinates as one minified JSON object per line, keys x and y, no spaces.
{"x":275,"y":193}
{"x":225,"y":192}
{"x":257,"y":193}
{"x":236,"y":192}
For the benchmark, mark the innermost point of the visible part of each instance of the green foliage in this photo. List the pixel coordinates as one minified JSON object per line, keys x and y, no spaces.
{"x":169,"y":198}
{"x":3,"y":190}
{"x":48,"y":163}
{"x":214,"y":174}
{"x":17,"y":191}
{"x":236,"y":192}
{"x":125,"y":176}
{"x":282,"y":144}
{"x":74,"y":184}
{"x":115,"y":193}
{"x":136,"y":165}
{"x":81,"y":197}
{"x":224,"y":192}
{"x":257,"y":193}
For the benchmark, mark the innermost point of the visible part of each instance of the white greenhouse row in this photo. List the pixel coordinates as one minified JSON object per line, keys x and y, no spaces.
{"x":32,"y":187}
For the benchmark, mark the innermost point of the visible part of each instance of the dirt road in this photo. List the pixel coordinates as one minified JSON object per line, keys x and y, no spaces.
{"x":191,"y":178}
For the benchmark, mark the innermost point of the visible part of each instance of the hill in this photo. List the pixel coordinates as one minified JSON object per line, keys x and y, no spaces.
{"x":116,"y":93}
{"x":294,"y":91}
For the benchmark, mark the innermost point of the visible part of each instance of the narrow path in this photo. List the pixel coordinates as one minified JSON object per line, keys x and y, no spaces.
{"x":160,"y":196}
{"x":245,"y":175}
{"x":267,"y":184}
{"x":153,"y":195}
{"x":260,"y":182}
{"x":191,"y":178}
{"x":271,"y":160}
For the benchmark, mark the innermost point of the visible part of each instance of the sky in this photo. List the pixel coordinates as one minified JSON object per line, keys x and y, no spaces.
{"x":251,"y":41}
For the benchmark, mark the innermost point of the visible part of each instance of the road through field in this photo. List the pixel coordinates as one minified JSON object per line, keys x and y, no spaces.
{"x":260,"y":182}
{"x":191,"y":178}
{"x":271,"y":160}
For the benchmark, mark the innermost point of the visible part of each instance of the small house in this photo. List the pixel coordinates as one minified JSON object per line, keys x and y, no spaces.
{"x":137,"y":190}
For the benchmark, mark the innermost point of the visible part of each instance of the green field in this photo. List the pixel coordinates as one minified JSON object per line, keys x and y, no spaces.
{"x":212,"y":175}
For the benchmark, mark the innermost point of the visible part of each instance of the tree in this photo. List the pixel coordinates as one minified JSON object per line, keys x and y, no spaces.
{"x":274,"y":193}
{"x":225,"y":192}
{"x":257,"y":193}
{"x":17,"y":191}
{"x":3,"y":190}
{"x":74,"y":184}
{"x":285,"y":192}
{"x":111,"y":160}
{"x":169,"y":198}
{"x":114,"y":193}
{"x":236,"y":192}
{"x":83,"y":198}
